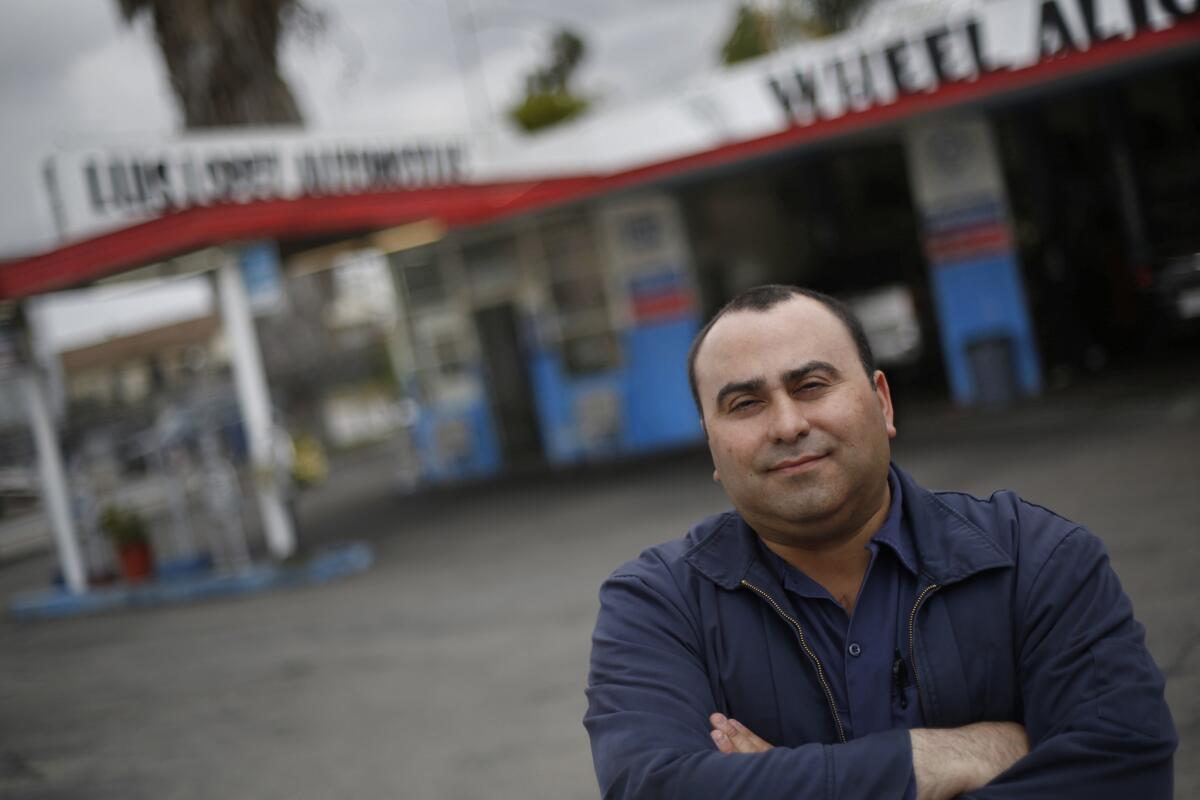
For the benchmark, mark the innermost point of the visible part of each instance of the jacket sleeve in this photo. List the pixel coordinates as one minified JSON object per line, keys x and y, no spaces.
{"x":649,"y":698}
{"x":1097,"y":721}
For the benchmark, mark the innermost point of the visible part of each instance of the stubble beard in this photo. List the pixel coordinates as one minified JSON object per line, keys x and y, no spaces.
{"x":811,"y":511}
{"x":803,"y":512}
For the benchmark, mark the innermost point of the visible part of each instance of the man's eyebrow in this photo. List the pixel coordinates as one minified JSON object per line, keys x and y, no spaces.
{"x":802,"y":372}
{"x":791,"y":376}
{"x":753,"y":385}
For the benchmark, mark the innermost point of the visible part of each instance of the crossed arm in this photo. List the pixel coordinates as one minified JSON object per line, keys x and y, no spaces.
{"x":946,"y":762}
{"x":649,"y":703}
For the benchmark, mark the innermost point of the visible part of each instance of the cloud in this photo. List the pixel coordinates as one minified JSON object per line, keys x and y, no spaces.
{"x":120,"y":87}
{"x":631,"y":60}
{"x":39,"y":41}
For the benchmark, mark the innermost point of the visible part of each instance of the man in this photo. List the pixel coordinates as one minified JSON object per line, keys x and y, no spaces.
{"x":847,"y":634}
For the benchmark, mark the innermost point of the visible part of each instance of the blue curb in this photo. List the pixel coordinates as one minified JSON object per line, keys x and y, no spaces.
{"x":172,"y":589}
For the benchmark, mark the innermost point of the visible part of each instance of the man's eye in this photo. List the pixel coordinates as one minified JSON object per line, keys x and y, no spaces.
{"x":742,"y":405}
{"x":809,"y":386}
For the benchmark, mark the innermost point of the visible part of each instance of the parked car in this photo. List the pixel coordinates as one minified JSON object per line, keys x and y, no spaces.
{"x":889,"y":318}
{"x":1177,"y":294}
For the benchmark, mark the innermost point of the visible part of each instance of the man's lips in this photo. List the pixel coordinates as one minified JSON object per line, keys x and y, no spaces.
{"x":796,"y":464}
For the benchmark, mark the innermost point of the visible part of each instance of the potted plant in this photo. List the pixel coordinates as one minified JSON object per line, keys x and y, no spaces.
{"x":127,"y":531}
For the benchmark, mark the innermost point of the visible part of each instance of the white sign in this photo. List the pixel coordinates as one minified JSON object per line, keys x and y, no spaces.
{"x":953,"y":163}
{"x":874,"y":67}
{"x":100,"y":188}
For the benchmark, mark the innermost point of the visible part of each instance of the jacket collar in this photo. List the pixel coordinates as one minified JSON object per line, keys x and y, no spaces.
{"x":949,"y":546}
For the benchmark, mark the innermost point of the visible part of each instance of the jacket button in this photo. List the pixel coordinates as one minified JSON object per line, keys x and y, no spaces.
{"x":855,"y":649}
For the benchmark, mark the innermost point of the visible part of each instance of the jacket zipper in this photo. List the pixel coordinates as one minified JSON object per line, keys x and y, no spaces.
{"x":912,"y":649}
{"x":837,"y":720}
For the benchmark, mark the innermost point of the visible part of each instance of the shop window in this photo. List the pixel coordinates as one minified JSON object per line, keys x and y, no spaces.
{"x":598,"y":417}
{"x":577,"y":288}
{"x":443,"y":353}
{"x":450,"y":355}
{"x":597,"y":352}
{"x":642,"y":233}
{"x":422,"y":278}
{"x":491,"y":265}
{"x":579,"y":297}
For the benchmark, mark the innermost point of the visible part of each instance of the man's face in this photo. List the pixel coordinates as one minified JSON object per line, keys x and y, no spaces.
{"x":799,"y":434}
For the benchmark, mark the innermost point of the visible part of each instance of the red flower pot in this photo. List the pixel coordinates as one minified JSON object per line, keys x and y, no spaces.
{"x":137,"y":562}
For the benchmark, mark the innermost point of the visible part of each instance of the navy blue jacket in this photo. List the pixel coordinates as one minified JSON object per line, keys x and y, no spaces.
{"x":1018,"y":616}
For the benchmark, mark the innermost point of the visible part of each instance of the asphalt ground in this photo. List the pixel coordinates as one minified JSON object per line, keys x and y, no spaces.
{"x":455,"y":667}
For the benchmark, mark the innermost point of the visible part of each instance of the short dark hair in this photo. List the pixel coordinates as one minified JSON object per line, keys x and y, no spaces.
{"x":764,"y":298}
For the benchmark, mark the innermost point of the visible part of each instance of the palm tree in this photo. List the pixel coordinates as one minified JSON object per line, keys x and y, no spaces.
{"x":222,"y":57}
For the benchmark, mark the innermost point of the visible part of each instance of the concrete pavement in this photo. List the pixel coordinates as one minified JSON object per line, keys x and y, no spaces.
{"x":455,"y":667}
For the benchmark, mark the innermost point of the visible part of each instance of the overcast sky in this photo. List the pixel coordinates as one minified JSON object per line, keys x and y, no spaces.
{"x":72,"y":72}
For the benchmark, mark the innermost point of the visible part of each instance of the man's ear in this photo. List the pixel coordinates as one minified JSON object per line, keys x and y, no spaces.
{"x":704,"y":427}
{"x":884,"y":395}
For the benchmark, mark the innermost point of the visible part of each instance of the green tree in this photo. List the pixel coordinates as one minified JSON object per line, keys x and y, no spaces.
{"x":222,"y":56}
{"x":752,"y":36}
{"x":759,"y":30}
{"x":549,"y":98}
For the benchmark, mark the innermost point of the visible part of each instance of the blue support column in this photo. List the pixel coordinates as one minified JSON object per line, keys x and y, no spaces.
{"x":958,"y":189}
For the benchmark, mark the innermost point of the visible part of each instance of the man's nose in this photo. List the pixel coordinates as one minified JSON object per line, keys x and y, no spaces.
{"x":788,"y":420}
